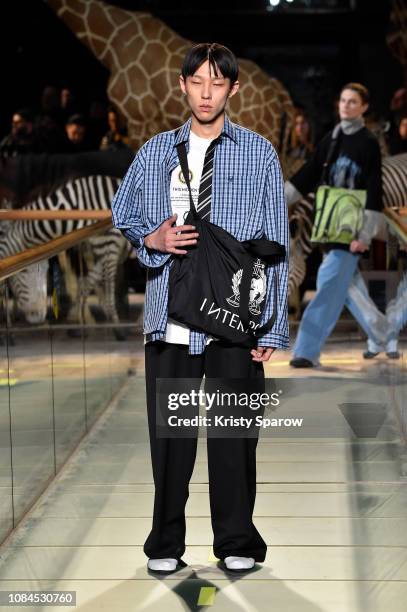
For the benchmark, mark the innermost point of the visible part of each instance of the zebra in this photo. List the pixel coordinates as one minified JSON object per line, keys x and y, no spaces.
{"x":29,"y":289}
{"x":108,"y":250}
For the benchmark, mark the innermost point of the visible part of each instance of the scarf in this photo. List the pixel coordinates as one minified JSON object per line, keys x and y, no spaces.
{"x":351,"y":126}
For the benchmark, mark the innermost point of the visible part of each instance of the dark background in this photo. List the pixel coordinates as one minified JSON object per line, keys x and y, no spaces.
{"x":313,"y":50}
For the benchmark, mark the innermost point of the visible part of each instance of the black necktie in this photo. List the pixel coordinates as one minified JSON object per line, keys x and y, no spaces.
{"x":205,"y":186}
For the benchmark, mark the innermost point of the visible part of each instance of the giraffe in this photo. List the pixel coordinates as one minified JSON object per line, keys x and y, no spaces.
{"x":144,"y":58}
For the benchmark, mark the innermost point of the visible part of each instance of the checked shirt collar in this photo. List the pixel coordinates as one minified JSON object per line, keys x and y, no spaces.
{"x":228,"y":130}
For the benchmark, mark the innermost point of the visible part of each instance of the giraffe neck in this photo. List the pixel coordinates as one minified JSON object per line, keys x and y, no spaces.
{"x":103,"y":27}
{"x":76,"y":14}
{"x":94,"y":22}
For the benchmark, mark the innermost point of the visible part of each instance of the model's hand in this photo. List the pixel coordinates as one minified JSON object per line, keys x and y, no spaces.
{"x":357,"y":246}
{"x":262,"y":353}
{"x":168,"y":239}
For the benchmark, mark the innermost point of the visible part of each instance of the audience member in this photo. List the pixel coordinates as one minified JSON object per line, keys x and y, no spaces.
{"x":75,"y":129}
{"x":301,"y":145}
{"x":116,"y":137}
{"x":21,"y":138}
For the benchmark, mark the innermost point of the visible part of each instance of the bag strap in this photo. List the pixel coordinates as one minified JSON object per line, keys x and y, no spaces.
{"x":331,"y":152}
{"x":267,"y":250}
{"x":183,"y":159}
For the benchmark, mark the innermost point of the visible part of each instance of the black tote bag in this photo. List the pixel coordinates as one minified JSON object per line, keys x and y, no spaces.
{"x":219,"y":286}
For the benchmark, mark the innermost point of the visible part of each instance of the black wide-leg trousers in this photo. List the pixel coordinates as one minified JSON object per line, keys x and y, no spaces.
{"x":231,"y":461}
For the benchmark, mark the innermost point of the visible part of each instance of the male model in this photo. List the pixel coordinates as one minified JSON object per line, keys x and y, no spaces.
{"x":236,"y":184}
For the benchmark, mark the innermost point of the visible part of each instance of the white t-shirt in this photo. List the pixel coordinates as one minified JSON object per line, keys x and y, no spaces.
{"x":178,"y":333}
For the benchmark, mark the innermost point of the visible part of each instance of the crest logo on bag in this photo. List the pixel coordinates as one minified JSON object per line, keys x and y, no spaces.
{"x":258,"y":288}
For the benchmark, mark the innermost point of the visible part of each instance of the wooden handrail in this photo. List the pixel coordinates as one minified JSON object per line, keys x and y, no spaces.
{"x":23,"y":214}
{"x":15,"y":263}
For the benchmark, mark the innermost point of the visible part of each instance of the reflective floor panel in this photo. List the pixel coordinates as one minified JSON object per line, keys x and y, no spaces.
{"x":333,"y":512}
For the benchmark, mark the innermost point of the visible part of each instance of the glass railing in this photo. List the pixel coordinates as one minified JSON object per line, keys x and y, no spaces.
{"x":62,"y":357}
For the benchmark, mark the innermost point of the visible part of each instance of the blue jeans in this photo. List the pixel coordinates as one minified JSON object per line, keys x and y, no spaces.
{"x":382,"y":330}
{"x":396,"y":315}
{"x":320,"y":316}
{"x":371,"y":320}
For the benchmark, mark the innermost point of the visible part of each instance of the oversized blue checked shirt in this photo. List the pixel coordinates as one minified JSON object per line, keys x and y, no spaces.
{"x":247,"y":201}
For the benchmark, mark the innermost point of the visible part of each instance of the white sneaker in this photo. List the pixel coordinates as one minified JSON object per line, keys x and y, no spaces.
{"x":236,"y":563}
{"x":162,"y":565}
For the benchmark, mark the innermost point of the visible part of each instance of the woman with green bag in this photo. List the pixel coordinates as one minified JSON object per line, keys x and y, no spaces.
{"x":345,"y":173}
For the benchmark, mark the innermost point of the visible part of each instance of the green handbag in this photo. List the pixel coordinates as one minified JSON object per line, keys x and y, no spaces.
{"x":338,"y":211}
{"x":338,"y":214}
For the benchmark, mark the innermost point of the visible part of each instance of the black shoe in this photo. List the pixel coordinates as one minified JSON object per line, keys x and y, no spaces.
{"x":301,"y":362}
{"x":393,"y":355}
{"x":369,"y":355}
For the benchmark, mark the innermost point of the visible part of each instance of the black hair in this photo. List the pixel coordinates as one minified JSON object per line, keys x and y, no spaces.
{"x":112,"y":109}
{"x":76,"y":119}
{"x":218,"y":56}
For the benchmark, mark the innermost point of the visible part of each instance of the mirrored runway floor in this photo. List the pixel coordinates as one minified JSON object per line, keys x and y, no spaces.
{"x":333,"y":511}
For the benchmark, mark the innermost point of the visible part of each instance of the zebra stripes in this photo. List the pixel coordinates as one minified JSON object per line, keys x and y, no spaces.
{"x":394,"y":172}
{"x":89,"y":193}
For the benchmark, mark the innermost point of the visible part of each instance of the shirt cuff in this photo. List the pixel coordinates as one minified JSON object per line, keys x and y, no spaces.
{"x":275,"y":340}
{"x":149,"y":258}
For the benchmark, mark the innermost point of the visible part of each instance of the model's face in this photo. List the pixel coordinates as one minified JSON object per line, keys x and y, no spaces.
{"x":207,"y":93}
{"x":351,"y":105}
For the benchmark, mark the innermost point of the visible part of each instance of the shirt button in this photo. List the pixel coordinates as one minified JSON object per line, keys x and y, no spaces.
{"x":230,"y":178}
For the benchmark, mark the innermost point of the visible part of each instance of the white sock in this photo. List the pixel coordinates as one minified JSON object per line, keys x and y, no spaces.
{"x":162,"y":564}
{"x":239,"y":562}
